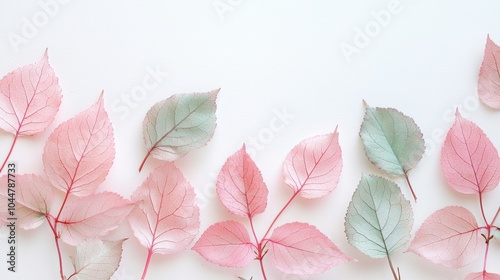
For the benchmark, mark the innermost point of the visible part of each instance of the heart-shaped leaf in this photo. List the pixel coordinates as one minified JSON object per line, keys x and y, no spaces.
{"x":449,"y":237}
{"x":96,"y":259}
{"x":483,"y":276}
{"x":240,"y":186}
{"x":178,"y":124}
{"x":313,"y":167}
{"x":468,"y":159}
{"x":379,"y":219}
{"x":299,"y":248}
{"x":226,"y":244}
{"x":488,"y":87}
{"x":79,"y":153}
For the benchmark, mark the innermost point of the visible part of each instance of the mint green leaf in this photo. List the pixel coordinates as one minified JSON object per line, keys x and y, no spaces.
{"x":497,"y":234}
{"x":379,"y":219}
{"x":178,"y":124}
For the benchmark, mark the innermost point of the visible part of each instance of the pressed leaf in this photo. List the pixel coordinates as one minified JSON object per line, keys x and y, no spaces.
{"x":488,"y":87}
{"x":240,"y":186}
{"x":92,"y":216}
{"x":449,"y":237}
{"x":96,"y":259}
{"x":313,"y":167}
{"x":226,"y":244}
{"x":496,"y":234}
{"x":379,"y":219}
{"x":482,"y":276}
{"x":80,"y":151}
{"x":299,"y":248}
{"x":29,"y":98}
{"x":33,"y":200}
{"x":178,"y":124}
{"x":166,"y":217}
{"x":468,"y":159}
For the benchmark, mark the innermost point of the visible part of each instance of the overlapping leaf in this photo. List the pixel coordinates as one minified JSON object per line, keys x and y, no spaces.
{"x":178,"y":124}
{"x":166,"y":217}
{"x":226,"y":244}
{"x":482,"y":276}
{"x":240,"y":186}
{"x":96,"y":259}
{"x":488,"y":87}
{"x":313,"y":167}
{"x":449,"y":237}
{"x":79,"y":153}
{"x":299,"y":248}
{"x":468,"y":159}
{"x":92,"y":216}
{"x":379,"y":219}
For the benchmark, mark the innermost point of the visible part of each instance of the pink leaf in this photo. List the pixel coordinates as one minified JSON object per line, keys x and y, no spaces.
{"x":313,"y":166}
{"x":80,"y":151}
{"x":166,"y":217}
{"x":469,"y":160}
{"x":489,"y":76}
{"x":33,"y":199}
{"x":29,"y":98}
{"x":482,"y":276}
{"x":226,"y":244}
{"x":449,"y":237}
{"x":299,"y":248}
{"x":92,"y":216}
{"x":240,"y":185}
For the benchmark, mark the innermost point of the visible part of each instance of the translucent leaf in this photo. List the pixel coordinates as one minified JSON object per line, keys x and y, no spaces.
{"x":96,"y":259}
{"x":488,"y":87}
{"x":379,"y":219}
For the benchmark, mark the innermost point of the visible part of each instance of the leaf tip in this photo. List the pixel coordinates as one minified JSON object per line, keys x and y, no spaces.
{"x":365,"y":104}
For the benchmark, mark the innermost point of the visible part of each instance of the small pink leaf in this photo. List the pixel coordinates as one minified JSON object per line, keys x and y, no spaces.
{"x":469,"y":160}
{"x":240,"y":185}
{"x":313,"y":166}
{"x":92,"y":216}
{"x":449,"y":237}
{"x":166,"y":217}
{"x":33,"y":199}
{"x":80,"y":151}
{"x":482,"y":276}
{"x":29,"y":98}
{"x":299,"y":248}
{"x":226,"y":244}
{"x":489,"y":76}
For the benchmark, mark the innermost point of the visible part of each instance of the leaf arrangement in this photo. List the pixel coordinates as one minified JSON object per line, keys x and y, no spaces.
{"x":165,"y":218}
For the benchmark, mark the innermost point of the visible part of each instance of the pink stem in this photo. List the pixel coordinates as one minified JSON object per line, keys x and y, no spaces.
{"x":53,"y":227}
{"x":10,"y":151}
{"x":409,"y":185}
{"x":146,"y":266}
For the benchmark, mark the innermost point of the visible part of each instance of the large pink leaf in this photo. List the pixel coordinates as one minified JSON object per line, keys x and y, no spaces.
{"x":33,"y":199}
{"x":482,"y":276}
{"x":313,"y":166}
{"x":449,"y":237}
{"x":29,"y":98}
{"x":299,"y":248}
{"x":240,"y":185}
{"x":489,"y":76}
{"x":80,"y":151}
{"x":92,"y":216}
{"x":166,"y":217}
{"x":469,"y":160}
{"x":226,"y":244}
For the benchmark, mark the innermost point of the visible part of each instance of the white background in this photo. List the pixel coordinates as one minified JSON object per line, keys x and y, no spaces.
{"x":267,"y":56}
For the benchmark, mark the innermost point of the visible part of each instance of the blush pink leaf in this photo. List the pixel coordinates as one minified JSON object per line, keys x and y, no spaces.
{"x":33,"y":199}
{"x":299,"y":248}
{"x":226,"y":244}
{"x":92,"y":216}
{"x":240,"y":186}
{"x":482,"y":276}
{"x":80,"y":151}
{"x":166,"y":218}
{"x":449,"y":237}
{"x":29,"y":98}
{"x":313,"y":167}
{"x":468,"y":159}
{"x":489,"y":76}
